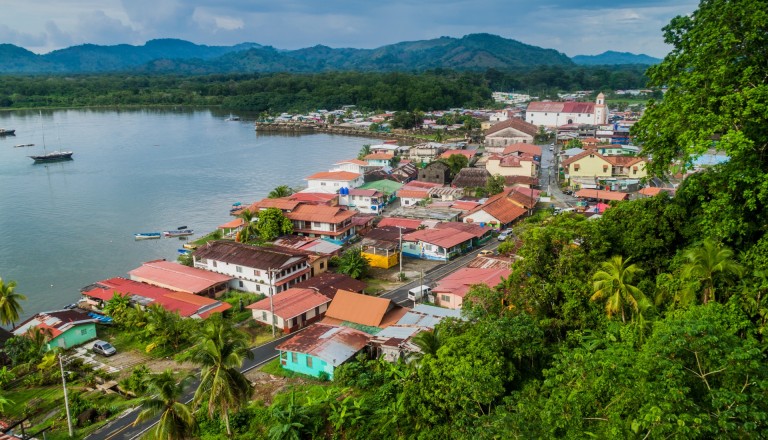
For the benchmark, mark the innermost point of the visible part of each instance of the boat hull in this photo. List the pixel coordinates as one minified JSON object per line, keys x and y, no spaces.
{"x":182,"y":233}
{"x":147,"y":236}
{"x":53,"y":157}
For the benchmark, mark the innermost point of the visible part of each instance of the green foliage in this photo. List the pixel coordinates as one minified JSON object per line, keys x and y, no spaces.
{"x":612,"y":284}
{"x":137,"y":382}
{"x":407,"y":120}
{"x":9,"y":302}
{"x":364,"y":151}
{"x":353,"y":263}
{"x":176,"y":419}
{"x":574,"y":143}
{"x":456,"y":162}
{"x":280,"y":191}
{"x":495,"y":185}
{"x":273,"y":223}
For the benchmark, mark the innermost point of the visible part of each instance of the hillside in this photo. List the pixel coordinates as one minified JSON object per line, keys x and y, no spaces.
{"x":614,"y":58}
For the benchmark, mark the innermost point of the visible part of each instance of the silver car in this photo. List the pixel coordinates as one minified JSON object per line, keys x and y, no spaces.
{"x":104,"y":348}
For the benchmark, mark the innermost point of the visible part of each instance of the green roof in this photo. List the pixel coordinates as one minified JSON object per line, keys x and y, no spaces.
{"x":388,"y":187}
{"x":363,"y":328}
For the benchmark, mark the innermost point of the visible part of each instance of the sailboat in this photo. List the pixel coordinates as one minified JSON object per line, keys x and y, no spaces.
{"x":53,"y":156}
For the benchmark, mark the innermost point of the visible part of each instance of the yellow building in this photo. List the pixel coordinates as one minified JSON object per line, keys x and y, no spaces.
{"x":593,"y":164}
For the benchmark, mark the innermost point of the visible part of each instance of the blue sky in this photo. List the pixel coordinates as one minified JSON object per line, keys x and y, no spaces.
{"x":576,"y":27}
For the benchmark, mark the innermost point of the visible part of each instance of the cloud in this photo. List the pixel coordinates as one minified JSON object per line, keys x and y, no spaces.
{"x":30,"y":41}
{"x":97,"y":26}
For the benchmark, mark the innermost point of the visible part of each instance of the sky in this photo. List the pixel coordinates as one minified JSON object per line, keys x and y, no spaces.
{"x":574,"y":27}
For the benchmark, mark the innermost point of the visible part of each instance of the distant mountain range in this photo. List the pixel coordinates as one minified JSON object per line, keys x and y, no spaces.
{"x":471,"y":52}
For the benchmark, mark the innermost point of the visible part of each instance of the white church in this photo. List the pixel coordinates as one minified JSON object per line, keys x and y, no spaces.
{"x":555,"y":114}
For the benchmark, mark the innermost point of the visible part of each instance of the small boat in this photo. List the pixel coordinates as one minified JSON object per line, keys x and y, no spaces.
{"x":178,"y":233}
{"x":184,"y":251}
{"x":233,"y":118}
{"x":7,"y":132}
{"x":147,"y":235}
{"x":23,"y":145}
{"x":53,"y":156}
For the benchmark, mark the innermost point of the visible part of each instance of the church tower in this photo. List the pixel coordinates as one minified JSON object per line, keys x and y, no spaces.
{"x":601,"y":113}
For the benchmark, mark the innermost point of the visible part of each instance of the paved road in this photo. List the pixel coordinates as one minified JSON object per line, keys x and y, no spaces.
{"x":123,"y":429}
{"x":549,"y":175}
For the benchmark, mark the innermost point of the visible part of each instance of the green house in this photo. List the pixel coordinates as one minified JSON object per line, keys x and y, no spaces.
{"x":319,"y":349}
{"x":66,"y":328}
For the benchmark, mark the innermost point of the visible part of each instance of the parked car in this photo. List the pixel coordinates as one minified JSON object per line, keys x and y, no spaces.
{"x":505,"y":234}
{"x":104,"y":348}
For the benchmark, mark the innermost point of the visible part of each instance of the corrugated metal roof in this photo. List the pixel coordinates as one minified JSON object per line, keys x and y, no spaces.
{"x":291,"y":302}
{"x":332,"y":344}
{"x":180,"y":277}
{"x":257,"y":257}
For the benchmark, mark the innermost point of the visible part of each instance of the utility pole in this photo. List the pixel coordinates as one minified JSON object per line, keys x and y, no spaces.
{"x":66,"y":397}
{"x":400,"y":257}
{"x":271,"y":302}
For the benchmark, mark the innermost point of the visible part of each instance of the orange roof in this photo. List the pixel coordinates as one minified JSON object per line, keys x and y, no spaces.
{"x":334,"y":175}
{"x":446,"y":238}
{"x":283,"y":204}
{"x":419,"y":184}
{"x":464,"y":205}
{"x":413,"y":193}
{"x":354,"y":161}
{"x":520,"y":147}
{"x":601,"y":195}
{"x":652,"y":191}
{"x":501,"y":207}
{"x":177,"y":276}
{"x":582,"y":155}
{"x":320,"y":213}
{"x":448,"y":153}
{"x":292,"y":302}
{"x":379,"y":156}
{"x":358,"y":308}
{"x":236,"y":223}
{"x":400,"y":222}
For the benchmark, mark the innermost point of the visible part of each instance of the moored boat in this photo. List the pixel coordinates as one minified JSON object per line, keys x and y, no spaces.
{"x":147,"y":235}
{"x":23,"y":145}
{"x":53,"y":156}
{"x":7,"y":132}
{"x":178,"y":233}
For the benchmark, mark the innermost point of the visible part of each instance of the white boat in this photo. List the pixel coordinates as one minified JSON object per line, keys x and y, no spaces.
{"x":147,"y":235}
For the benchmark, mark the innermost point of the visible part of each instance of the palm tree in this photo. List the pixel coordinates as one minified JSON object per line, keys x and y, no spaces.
{"x":354,"y":264}
{"x":280,"y":191}
{"x":366,"y":150}
{"x":117,"y":307}
{"x":612,"y":282}
{"x":220,"y":352}
{"x":9,"y":303}
{"x":428,"y":343}
{"x":176,"y":419}
{"x":249,"y":230}
{"x":705,"y":262}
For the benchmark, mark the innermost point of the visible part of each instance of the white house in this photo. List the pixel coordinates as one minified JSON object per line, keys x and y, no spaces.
{"x":257,"y":269}
{"x":293,"y":309}
{"x":367,"y":201}
{"x":354,"y":166}
{"x":333,"y":181}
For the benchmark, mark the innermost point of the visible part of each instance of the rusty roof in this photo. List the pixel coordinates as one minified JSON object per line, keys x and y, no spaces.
{"x":328,"y":283}
{"x":177,"y":276}
{"x":321,"y":214}
{"x":257,"y":257}
{"x":459,"y":282}
{"x":522,"y":147}
{"x":516,"y":124}
{"x":330,"y":343}
{"x":291,"y":302}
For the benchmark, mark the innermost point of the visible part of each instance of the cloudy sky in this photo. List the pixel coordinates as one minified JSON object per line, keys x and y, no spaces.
{"x":575,"y":27}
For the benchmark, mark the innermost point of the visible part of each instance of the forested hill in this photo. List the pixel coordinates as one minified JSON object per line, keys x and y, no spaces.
{"x":472,"y":52}
{"x":612,"y":58}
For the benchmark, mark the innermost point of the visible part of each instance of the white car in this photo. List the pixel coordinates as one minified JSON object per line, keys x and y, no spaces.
{"x":104,"y":348}
{"x":505,"y":234}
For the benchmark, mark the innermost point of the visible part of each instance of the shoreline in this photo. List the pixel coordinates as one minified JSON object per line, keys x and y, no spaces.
{"x":308,"y":128}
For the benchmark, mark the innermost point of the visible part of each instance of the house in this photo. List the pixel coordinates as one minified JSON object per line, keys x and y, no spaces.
{"x":333,"y":181}
{"x":591,"y":164}
{"x":521,"y":182}
{"x":257,"y":269}
{"x":354,"y":166}
{"x":369,"y":313}
{"x":394,"y":342}
{"x":411,"y":197}
{"x":329,"y":283}
{"x":291,"y":309}
{"x":368,"y":201}
{"x":471,"y":178}
{"x":437,"y":244}
{"x":427,"y":152}
{"x":180,"y":278}
{"x":445,"y":193}
{"x":553,"y":114}
{"x":435,"y":172}
{"x":599,"y":195}
{"x":388,"y":187}
{"x":512,"y":165}
{"x":481,"y":233}
{"x":381,"y":246}
{"x":327,"y":222}
{"x":66,"y":328}
{"x":314,"y":198}
{"x":231,"y":228}
{"x":319,"y":349}
{"x":389,"y":147}
{"x":500,"y":210}
{"x":519,"y":149}
{"x":405,"y":172}
{"x":450,"y":291}
{"x":382,"y":160}
{"x":510,"y":131}
{"x":187,"y":305}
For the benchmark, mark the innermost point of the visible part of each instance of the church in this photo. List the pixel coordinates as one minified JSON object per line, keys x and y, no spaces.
{"x":555,"y":114}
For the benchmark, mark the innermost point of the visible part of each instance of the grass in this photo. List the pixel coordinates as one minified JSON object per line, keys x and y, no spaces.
{"x":274,"y":368}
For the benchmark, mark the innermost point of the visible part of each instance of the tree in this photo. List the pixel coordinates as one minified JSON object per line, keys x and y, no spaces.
{"x":220,"y":352}
{"x":612,"y":283}
{"x":428,"y":342}
{"x":366,"y":150}
{"x":705,"y":262}
{"x":495,"y":185}
{"x":249,"y":230}
{"x":176,"y":420}
{"x":117,"y":307}
{"x":280,"y":191}
{"x":574,"y":143}
{"x":9,"y":303}
{"x":272,"y":223}
{"x":717,"y":81}
{"x":354,"y":264}
{"x":456,"y":162}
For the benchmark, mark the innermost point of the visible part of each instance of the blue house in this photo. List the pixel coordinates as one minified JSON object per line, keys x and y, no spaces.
{"x":319,"y":349}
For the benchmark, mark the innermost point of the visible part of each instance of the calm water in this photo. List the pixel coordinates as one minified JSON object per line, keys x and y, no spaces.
{"x":65,"y":225}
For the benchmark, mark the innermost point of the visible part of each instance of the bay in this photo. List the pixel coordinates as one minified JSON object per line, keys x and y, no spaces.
{"x":68,"y":224}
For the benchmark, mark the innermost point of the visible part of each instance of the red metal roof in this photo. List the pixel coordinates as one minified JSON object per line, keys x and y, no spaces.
{"x":532,"y":149}
{"x":292,"y":302}
{"x":601,"y":195}
{"x":446,"y":238}
{"x":400,"y":222}
{"x":459,"y":282}
{"x":334,"y":175}
{"x":177,"y":276}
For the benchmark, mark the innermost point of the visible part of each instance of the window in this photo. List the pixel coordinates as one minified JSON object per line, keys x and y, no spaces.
{"x":309,"y":361}
{"x":239,"y":269}
{"x":294,"y":358}
{"x":576,"y":167}
{"x":264,"y":315}
{"x":240,"y":283}
{"x":322,"y":263}
{"x":605,"y":167}
{"x":445,"y":298}
{"x":258,"y":288}
{"x":322,"y":183}
{"x":213,"y":263}
{"x":84,"y":331}
{"x":256,"y":272}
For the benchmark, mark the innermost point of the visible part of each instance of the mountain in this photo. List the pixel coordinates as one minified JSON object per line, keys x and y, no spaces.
{"x":612,"y":58}
{"x":471,"y":52}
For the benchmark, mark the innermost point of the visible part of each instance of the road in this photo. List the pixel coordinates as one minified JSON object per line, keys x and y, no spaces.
{"x":123,"y":429}
{"x":549,"y":174}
